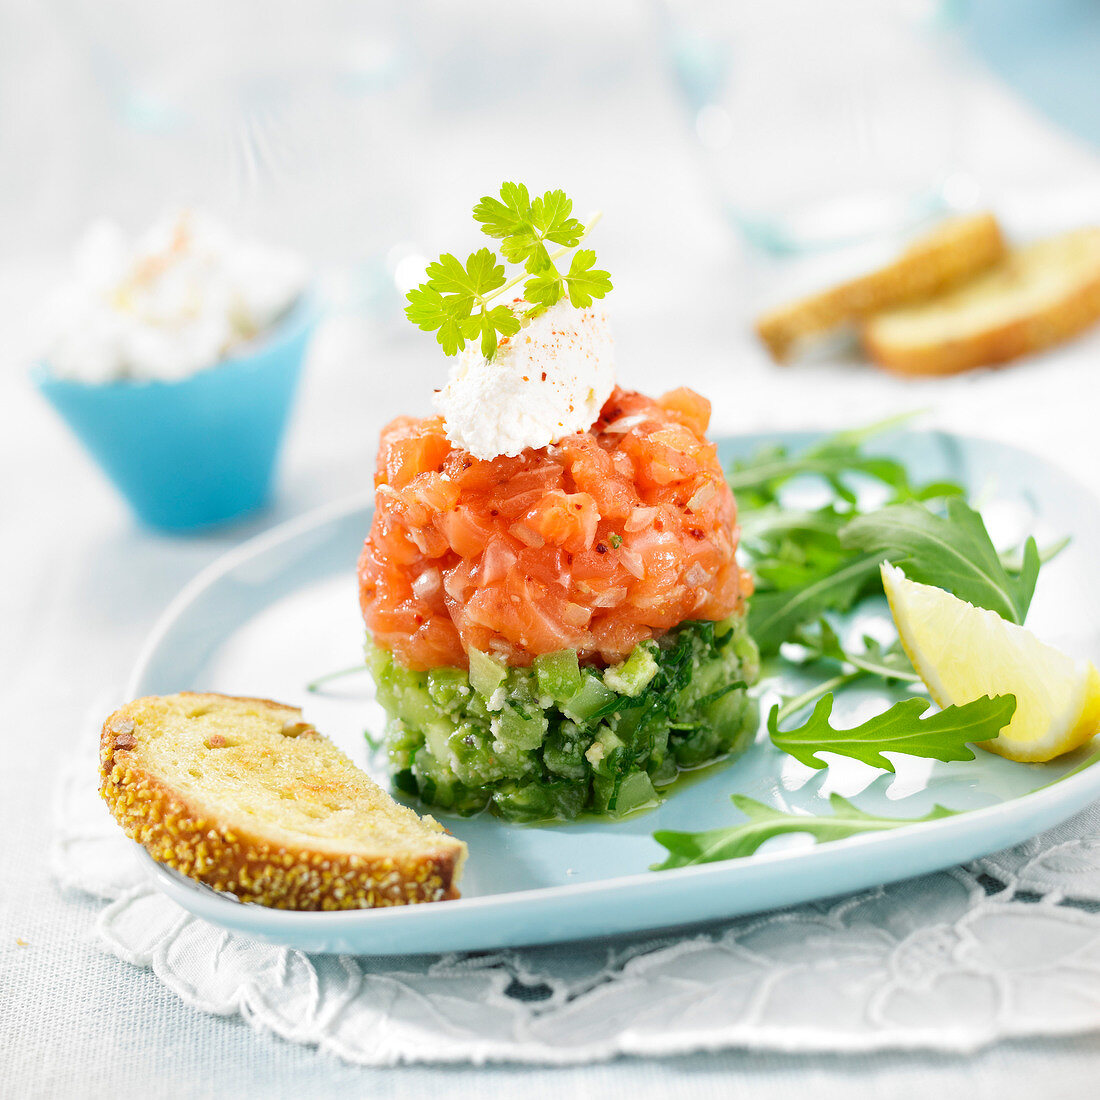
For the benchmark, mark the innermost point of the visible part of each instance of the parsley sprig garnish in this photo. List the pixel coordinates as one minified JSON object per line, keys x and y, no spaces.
{"x":455,"y":301}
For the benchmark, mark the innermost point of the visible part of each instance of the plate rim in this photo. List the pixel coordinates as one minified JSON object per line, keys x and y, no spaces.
{"x":1049,"y":796}
{"x":1072,"y":793}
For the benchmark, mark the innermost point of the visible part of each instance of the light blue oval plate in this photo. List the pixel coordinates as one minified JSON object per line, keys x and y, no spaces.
{"x":282,"y":610}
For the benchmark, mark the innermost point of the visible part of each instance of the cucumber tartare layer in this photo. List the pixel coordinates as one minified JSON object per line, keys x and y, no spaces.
{"x":557,"y":739}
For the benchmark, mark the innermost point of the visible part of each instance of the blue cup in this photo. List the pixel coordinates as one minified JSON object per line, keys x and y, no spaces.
{"x":199,"y":451}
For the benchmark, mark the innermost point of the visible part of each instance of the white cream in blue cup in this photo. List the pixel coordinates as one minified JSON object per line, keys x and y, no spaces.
{"x":175,"y":360}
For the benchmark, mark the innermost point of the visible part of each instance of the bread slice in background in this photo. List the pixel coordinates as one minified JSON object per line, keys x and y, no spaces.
{"x":955,"y":250}
{"x":1039,"y":295}
{"x":244,"y":796}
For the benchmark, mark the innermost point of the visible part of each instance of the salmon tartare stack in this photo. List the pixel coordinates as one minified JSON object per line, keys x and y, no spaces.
{"x":550,"y":581}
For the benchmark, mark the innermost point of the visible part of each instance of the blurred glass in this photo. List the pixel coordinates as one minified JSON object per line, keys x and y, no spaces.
{"x":280,"y":118}
{"x":1048,"y":52}
{"x":823,"y":122}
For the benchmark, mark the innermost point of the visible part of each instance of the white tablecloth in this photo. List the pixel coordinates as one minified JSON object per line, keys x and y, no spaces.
{"x":82,"y":586}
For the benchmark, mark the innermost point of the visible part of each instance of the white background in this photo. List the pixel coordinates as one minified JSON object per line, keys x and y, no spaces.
{"x":575,"y":95}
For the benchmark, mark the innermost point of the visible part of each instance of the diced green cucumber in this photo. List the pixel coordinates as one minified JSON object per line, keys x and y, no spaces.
{"x":521,"y":687}
{"x":379,"y":661}
{"x":563,"y":752}
{"x":513,"y":727}
{"x":545,"y":801}
{"x":472,"y":758}
{"x":635,"y":791}
{"x":602,"y":752}
{"x":558,"y":675}
{"x":697,"y":746}
{"x":438,"y":787}
{"x":415,"y":707}
{"x":665,"y":773}
{"x":590,"y":697}
{"x":632,"y":677}
{"x":486,"y":673}
{"x":404,"y":781}
{"x":448,"y":685}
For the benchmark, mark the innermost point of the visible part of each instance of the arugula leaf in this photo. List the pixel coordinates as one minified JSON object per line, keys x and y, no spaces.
{"x":794,"y":553}
{"x":774,"y":616}
{"x":901,"y":729}
{"x":764,"y":822}
{"x":767,"y":476}
{"x":771,"y":523}
{"x":454,"y":300}
{"x":793,"y":548}
{"x":953,"y":552}
{"x":833,"y":459}
{"x":1013,"y":559}
{"x":811,"y":562}
{"x":800,"y":564}
{"x":819,"y":641}
{"x":856,"y":437}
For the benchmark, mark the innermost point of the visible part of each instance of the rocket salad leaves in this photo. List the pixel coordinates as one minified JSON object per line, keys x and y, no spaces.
{"x":811,"y":564}
{"x":802,"y":566}
{"x":810,"y":561}
{"x":737,"y":841}
{"x":777,"y":612}
{"x":901,"y":729}
{"x":952,"y":551}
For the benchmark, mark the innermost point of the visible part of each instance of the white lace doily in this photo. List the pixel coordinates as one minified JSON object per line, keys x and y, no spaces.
{"x":1007,"y":946}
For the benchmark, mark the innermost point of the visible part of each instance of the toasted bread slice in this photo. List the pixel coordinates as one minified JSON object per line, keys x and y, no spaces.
{"x":242,"y":795}
{"x":954,"y":250}
{"x":1039,"y":295}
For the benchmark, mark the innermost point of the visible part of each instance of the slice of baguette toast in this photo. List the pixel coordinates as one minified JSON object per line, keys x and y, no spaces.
{"x":244,"y":796}
{"x":1039,"y":295}
{"x":955,"y":250}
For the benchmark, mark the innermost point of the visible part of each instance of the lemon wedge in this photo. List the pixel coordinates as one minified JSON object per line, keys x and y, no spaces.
{"x":962,"y":652}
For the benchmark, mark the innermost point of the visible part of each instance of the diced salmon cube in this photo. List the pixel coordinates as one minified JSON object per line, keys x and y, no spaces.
{"x":565,"y":519}
{"x":688,"y":407}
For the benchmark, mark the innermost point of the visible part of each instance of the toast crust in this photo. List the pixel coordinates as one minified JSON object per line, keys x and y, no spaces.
{"x":181,"y":832}
{"x":953,"y":251}
{"x":1021,"y":329}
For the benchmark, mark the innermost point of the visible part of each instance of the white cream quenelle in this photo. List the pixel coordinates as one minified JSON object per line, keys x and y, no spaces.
{"x":548,"y":381}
